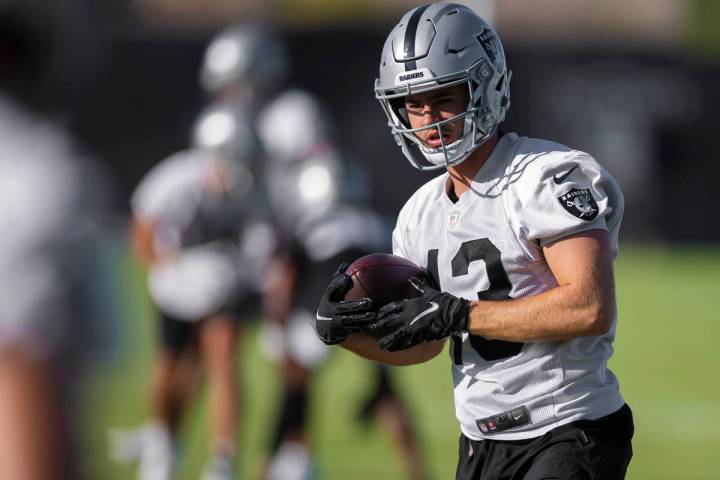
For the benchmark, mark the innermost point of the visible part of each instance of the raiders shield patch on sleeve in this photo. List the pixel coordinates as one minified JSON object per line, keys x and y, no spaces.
{"x":580,"y":203}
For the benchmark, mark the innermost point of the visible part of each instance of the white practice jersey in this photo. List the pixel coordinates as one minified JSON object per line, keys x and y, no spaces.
{"x":51,"y":276}
{"x":488,"y":245}
{"x":173,"y":196}
{"x":197,"y":233}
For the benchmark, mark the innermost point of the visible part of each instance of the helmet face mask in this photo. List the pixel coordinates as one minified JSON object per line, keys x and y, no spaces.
{"x":454,"y":47}
{"x":450,"y":151}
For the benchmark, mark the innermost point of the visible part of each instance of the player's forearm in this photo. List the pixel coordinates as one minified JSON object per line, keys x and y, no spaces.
{"x":367,"y":347}
{"x":142,"y":242}
{"x":562,"y":313}
{"x":582,"y":305}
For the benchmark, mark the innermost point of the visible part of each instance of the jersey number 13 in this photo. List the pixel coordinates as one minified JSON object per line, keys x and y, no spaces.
{"x":500,"y":287}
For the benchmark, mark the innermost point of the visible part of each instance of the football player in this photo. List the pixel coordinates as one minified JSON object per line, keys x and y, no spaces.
{"x":248,"y":65}
{"x":329,"y":232}
{"x":519,"y":235}
{"x":189,"y":214}
{"x":52,"y":285}
{"x":56,"y":295}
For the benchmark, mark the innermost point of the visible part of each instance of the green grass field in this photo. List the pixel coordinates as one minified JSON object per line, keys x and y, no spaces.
{"x":666,"y":358}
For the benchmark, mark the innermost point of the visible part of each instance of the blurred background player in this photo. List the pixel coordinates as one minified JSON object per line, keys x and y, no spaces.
{"x":188,"y":218}
{"x":246,"y":66}
{"x":53,"y":284}
{"x":320,"y":229}
{"x":51,"y":287}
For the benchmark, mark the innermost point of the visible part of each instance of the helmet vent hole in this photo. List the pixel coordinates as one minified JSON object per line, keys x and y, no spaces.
{"x":452,"y":12}
{"x":499,"y":85}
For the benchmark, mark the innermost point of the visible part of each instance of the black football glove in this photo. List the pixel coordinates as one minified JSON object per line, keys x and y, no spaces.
{"x":337,"y":318}
{"x":432,"y":316}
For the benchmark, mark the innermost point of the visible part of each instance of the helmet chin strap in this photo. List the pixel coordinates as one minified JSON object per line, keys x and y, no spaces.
{"x":455,"y":152}
{"x":427,"y":150}
{"x":441,"y":156}
{"x":447,"y":155}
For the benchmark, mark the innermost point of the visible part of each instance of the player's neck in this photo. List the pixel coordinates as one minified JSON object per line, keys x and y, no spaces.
{"x":462,"y":175}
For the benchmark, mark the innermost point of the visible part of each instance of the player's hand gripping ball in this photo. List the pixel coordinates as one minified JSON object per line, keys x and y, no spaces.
{"x":357,"y":291}
{"x":433,"y":315}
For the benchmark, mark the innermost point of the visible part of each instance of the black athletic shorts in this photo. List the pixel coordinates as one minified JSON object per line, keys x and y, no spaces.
{"x":583,"y":450}
{"x":175,"y":334}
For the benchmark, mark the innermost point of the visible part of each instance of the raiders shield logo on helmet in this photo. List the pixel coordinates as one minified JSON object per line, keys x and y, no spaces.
{"x":580,"y":203}
{"x":489,"y":41}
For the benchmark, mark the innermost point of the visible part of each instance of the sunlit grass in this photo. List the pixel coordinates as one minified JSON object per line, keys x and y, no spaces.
{"x":666,"y":359}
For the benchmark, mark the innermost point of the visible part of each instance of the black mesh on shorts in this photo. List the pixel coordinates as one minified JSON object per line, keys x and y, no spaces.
{"x":175,"y":334}
{"x":584,"y":450}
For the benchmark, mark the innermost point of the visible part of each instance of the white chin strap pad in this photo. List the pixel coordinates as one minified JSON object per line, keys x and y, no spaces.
{"x":451,"y":154}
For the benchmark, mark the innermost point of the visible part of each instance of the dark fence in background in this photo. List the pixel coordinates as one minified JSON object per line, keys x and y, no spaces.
{"x":649,"y":116}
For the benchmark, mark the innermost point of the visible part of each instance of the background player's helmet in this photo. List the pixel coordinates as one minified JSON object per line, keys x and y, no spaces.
{"x":226,"y":129}
{"x":293,"y":126}
{"x":249,"y":57}
{"x":437,"y":46}
{"x":306,"y":173}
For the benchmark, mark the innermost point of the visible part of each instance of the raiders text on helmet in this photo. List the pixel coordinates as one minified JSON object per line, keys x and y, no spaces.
{"x":437,"y":46}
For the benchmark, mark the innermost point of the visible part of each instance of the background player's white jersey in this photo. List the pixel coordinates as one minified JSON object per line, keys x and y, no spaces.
{"x":488,"y":245}
{"x":196,"y":233}
{"x":52,"y":276}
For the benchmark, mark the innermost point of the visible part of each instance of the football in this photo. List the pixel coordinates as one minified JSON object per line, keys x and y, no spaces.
{"x":383,"y":278}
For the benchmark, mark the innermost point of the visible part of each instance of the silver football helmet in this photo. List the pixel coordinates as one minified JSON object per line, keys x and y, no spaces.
{"x":248,"y":56}
{"x":292,"y":126}
{"x":434,"y":47}
{"x":226,"y":130}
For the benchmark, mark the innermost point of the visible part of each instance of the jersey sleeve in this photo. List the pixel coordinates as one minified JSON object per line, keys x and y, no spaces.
{"x":561,"y":195}
{"x":400,"y":246}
